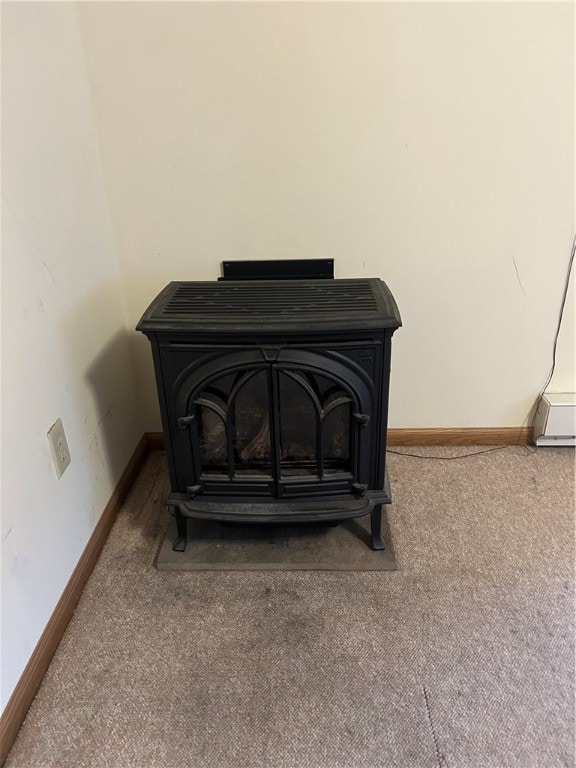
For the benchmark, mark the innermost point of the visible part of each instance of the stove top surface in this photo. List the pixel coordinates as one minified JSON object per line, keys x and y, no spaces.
{"x":281,"y":304}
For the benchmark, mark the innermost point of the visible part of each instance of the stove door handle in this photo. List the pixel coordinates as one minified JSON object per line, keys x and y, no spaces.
{"x":185,"y":421}
{"x":359,"y":488}
{"x":361,"y":418}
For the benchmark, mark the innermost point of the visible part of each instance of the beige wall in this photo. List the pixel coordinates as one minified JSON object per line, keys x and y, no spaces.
{"x":427,"y":144}
{"x":64,"y":341}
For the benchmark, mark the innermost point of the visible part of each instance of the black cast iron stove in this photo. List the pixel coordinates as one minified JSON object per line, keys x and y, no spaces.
{"x":274,"y":397}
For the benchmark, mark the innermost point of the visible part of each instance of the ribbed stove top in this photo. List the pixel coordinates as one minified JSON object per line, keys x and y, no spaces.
{"x":281,"y":304}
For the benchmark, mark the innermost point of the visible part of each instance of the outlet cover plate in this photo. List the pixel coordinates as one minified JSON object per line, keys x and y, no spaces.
{"x":59,"y":447}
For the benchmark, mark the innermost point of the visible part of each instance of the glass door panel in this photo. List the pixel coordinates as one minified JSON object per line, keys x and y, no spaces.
{"x":298,"y":426}
{"x":336,"y":438}
{"x":274,"y":428}
{"x":212,"y":433}
{"x":250,"y":421}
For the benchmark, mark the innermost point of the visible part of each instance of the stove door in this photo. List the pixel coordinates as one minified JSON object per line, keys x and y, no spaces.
{"x":294,"y":425}
{"x":229,"y":450}
{"x":317,"y":433}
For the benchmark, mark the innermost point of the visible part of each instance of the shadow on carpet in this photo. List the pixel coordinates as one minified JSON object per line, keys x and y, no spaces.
{"x":213,"y":546}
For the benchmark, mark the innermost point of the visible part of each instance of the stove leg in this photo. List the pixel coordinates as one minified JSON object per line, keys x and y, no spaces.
{"x":376,"y":525}
{"x":182,"y":531}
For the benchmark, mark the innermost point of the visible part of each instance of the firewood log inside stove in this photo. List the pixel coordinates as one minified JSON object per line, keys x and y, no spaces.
{"x":298,"y":428}
{"x":253,"y":434}
{"x":213,"y":443}
{"x":258,"y":449}
{"x":298,"y":451}
{"x":337,"y":440}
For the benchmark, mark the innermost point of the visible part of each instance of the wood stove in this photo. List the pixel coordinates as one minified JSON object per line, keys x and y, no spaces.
{"x":274,"y":398}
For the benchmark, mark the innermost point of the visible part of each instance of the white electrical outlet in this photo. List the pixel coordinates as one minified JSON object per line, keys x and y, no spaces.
{"x":59,"y":447}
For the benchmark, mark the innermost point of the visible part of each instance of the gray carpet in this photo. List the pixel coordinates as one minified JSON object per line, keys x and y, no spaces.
{"x":462,"y":658}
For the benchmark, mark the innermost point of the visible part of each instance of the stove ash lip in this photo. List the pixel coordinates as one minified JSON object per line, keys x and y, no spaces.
{"x":312,"y":509}
{"x":254,"y":308}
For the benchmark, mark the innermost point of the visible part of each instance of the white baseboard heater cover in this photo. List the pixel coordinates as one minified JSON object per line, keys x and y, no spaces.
{"x":555,"y":421}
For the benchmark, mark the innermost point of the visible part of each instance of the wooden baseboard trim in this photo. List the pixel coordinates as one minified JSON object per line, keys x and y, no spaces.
{"x":155,"y":441}
{"x":461,"y":436}
{"x":429,"y":436}
{"x":20,"y":701}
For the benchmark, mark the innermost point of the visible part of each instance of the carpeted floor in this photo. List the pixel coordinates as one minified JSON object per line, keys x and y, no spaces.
{"x":462,"y":658}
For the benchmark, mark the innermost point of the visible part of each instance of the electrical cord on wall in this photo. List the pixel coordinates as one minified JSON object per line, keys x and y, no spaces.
{"x":541,"y":394}
{"x":560,"y":316}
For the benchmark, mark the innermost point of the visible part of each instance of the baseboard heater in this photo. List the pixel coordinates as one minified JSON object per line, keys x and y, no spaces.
{"x":555,"y":420}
